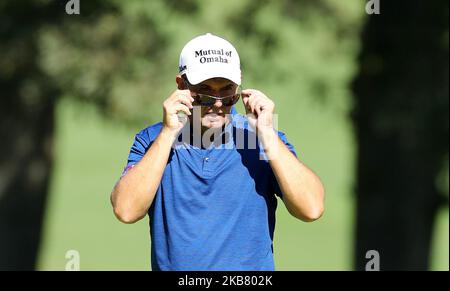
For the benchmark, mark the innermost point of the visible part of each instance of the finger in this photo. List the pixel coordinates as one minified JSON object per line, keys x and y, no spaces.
{"x":188,"y":93}
{"x":251,"y":116}
{"x":263,"y":102}
{"x":253,"y":101}
{"x":181,"y":107}
{"x":177,"y":93}
{"x":184,"y":92}
{"x":248,"y":92}
{"x":245,"y":101}
{"x":186,"y":100}
{"x":258,"y":107}
{"x":248,"y":108}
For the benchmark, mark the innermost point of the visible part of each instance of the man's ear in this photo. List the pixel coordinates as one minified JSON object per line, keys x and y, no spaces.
{"x":181,"y":85}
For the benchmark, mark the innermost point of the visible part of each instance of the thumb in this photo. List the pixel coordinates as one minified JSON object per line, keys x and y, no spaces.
{"x":245,"y":99}
{"x":245,"y":102}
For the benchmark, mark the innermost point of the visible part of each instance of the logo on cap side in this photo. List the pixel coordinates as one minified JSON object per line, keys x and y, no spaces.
{"x":182,"y":68}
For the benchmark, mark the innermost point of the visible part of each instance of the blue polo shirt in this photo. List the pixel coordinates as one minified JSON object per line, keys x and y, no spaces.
{"x":215,"y":207}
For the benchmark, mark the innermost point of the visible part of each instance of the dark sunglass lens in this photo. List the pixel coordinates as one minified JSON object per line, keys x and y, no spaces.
{"x":233,"y":99}
{"x":230,"y":100}
{"x":236,"y":98}
{"x":205,"y":100}
{"x":227,"y":101}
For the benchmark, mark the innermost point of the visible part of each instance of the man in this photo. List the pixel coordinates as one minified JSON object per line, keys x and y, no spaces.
{"x":207,"y":176}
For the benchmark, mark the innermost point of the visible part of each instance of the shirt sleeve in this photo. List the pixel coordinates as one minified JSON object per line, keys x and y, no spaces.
{"x":138,"y":149}
{"x":141,"y":144}
{"x":275,"y":186}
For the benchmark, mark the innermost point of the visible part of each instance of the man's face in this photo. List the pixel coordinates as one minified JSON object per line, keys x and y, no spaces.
{"x":214,"y":116}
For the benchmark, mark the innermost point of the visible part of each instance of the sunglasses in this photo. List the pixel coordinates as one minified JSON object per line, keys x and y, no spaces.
{"x":208,"y":100}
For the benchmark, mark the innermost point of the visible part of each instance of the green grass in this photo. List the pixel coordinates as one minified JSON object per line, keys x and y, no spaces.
{"x":90,"y":155}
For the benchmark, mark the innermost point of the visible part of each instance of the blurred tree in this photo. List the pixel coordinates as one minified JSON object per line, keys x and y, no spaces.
{"x":401,"y":118}
{"x":27,"y":124}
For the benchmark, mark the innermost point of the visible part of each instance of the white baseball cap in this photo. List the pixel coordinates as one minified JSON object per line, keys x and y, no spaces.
{"x":209,"y":56}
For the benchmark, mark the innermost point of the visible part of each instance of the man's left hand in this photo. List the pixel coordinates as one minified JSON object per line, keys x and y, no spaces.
{"x":259,"y":110}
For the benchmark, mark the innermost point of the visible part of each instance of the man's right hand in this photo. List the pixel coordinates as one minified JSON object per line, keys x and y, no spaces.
{"x":179,"y":101}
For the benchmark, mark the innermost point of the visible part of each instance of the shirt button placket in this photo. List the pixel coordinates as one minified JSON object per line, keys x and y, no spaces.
{"x":205,"y":164}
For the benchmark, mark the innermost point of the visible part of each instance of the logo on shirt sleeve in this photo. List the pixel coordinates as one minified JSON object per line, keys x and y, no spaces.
{"x":125,"y":171}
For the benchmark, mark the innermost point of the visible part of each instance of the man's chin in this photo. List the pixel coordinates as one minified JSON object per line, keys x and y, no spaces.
{"x":213,"y":124}
{"x":213,"y":120}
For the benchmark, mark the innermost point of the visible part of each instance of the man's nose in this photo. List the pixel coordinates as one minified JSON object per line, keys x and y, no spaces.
{"x":218,"y":103}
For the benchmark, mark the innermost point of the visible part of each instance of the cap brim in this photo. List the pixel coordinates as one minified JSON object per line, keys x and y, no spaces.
{"x":197,"y":77}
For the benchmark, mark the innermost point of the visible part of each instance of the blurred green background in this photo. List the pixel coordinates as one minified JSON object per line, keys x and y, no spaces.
{"x":106,"y":72}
